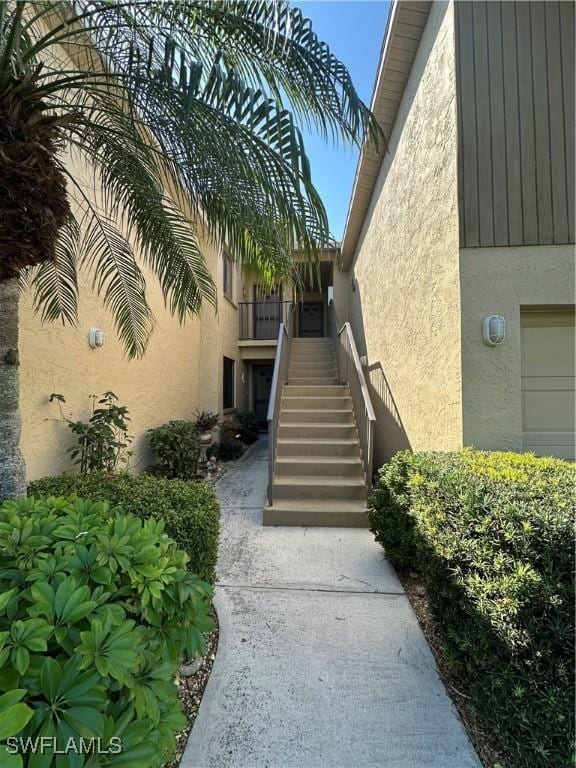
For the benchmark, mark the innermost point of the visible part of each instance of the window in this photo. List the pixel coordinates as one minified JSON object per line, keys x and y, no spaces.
{"x":228,"y":276}
{"x":228,"y":384}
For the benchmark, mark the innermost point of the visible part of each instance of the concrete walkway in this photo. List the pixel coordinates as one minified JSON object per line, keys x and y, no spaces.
{"x":321,"y":662}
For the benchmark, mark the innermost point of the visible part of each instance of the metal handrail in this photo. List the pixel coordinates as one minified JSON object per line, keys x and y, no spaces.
{"x":350,"y":372}
{"x":279,"y":378}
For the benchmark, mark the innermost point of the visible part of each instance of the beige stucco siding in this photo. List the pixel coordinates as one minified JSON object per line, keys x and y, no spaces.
{"x":501,"y":281}
{"x":405,"y":308}
{"x":161,"y":386}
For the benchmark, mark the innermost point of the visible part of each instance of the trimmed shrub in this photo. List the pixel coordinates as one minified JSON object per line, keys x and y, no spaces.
{"x":248,"y":427}
{"x":493,"y":536}
{"x":189,"y":510}
{"x":96,"y":609}
{"x":177,"y":447}
{"x":226,"y":449}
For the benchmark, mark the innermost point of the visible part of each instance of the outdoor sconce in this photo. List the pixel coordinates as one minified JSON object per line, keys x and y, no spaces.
{"x":95,"y":338}
{"x":493,"y":330}
{"x":353,"y":284}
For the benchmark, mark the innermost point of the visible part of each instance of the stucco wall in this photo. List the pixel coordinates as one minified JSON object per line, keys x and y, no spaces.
{"x":180,"y":371}
{"x":161,"y":386}
{"x":500,"y":281}
{"x":405,"y":309}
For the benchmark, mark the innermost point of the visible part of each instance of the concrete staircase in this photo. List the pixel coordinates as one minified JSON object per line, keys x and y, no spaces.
{"x":318,"y":479}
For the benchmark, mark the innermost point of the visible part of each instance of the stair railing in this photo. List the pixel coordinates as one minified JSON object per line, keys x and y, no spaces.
{"x":350,"y":372}
{"x":279,"y":378}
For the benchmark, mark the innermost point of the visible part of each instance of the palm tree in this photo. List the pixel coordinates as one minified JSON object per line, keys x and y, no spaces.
{"x":185,"y":113}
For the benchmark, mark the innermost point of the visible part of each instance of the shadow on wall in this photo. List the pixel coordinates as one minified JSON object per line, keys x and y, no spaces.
{"x":390,"y":435}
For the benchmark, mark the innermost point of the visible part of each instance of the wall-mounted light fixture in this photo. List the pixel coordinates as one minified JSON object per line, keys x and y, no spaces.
{"x":493,"y":330}
{"x":353,"y":284}
{"x":95,"y":338}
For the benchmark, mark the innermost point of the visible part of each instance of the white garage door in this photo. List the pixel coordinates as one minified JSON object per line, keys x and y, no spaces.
{"x":548,"y":412}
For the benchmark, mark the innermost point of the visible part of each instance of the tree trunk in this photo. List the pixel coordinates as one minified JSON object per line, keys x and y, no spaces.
{"x":12,"y":467}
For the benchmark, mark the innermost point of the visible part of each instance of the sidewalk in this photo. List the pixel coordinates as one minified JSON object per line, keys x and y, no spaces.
{"x":321,"y":662}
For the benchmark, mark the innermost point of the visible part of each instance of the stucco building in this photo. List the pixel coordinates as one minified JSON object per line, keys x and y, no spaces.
{"x":468,"y":213}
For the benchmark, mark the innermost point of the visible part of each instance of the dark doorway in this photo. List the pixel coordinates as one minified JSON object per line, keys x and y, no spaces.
{"x":261,"y":385}
{"x":311,"y":319}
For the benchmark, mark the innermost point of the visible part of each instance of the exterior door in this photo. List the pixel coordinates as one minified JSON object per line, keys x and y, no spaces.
{"x":311,"y":319}
{"x":267,"y":312}
{"x":262,"y":384}
{"x":548,"y":383}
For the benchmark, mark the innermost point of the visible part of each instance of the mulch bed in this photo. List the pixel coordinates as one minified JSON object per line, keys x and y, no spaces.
{"x":482,"y":741}
{"x":191,"y":690}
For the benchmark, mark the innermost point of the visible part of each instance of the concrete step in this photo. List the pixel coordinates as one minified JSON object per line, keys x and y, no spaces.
{"x":319,"y":416}
{"x":315,"y":431}
{"x":313,"y":373}
{"x":314,"y":403}
{"x":334,"y":390}
{"x":323,"y":381}
{"x":312,"y":365}
{"x":342,"y":514}
{"x":302,"y":342}
{"x":313,"y":354}
{"x":319,"y":487}
{"x":334,"y":466}
{"x":320,"y":446}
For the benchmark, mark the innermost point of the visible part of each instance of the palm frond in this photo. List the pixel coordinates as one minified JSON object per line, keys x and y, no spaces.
{"x":188,"y":113}
{"x":54,"y":283}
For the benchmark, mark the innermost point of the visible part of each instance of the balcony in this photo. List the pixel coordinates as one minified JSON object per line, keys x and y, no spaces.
{"x":260,"y":320}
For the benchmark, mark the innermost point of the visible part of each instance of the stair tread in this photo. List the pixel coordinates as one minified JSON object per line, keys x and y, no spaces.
{"x":318,"y":459}
{"x":321,"y":440}
{"x":335,"y":505}
{"x":314,"y":423}
{"x":315,"y":410}
{"x":317,"y":480}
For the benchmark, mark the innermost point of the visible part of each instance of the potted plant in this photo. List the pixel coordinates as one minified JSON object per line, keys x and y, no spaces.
{"x":205,"y":423}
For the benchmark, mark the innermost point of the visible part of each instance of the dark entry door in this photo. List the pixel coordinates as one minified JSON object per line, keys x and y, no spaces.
{"x":311,"y":319}
{"x":262,"y":383}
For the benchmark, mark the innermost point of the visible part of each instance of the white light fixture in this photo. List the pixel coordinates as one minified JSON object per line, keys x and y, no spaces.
{"x":330,"y":294}
{"x":95,"y":337}
{"x":494,"y":330}
{"x":364,"y":361}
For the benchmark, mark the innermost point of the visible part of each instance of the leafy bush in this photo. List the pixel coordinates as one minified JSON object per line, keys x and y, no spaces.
{"x":177,"y":447}
{"x":248,"y":427}
{"x":226,"y":449}
{"x":102,"y":441}
{"x":189,"y":510}
{"x":96,"y":609}
{"x":493,"y":536}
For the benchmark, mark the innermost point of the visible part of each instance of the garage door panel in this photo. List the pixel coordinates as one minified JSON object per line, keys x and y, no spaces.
{"x":559,"y":451}
{"x":548,"y":411}
{"x":548,"y":383}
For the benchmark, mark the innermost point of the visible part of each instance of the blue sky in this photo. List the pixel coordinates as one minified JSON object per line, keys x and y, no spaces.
{"x":354,"y":30}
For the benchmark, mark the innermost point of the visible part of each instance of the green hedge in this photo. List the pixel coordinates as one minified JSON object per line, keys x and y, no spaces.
{"x":97,"y":609}
{"x":189,"y":510}
{"x":493,"y":536}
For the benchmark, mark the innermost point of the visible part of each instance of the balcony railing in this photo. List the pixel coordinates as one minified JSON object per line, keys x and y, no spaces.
{"x":261,"y":320}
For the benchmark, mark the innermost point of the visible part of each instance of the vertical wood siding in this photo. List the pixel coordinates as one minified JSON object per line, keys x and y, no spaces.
{"x":515,"y":72}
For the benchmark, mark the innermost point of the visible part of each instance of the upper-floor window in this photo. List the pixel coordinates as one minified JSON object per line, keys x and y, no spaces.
{"x":228,"y":276}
